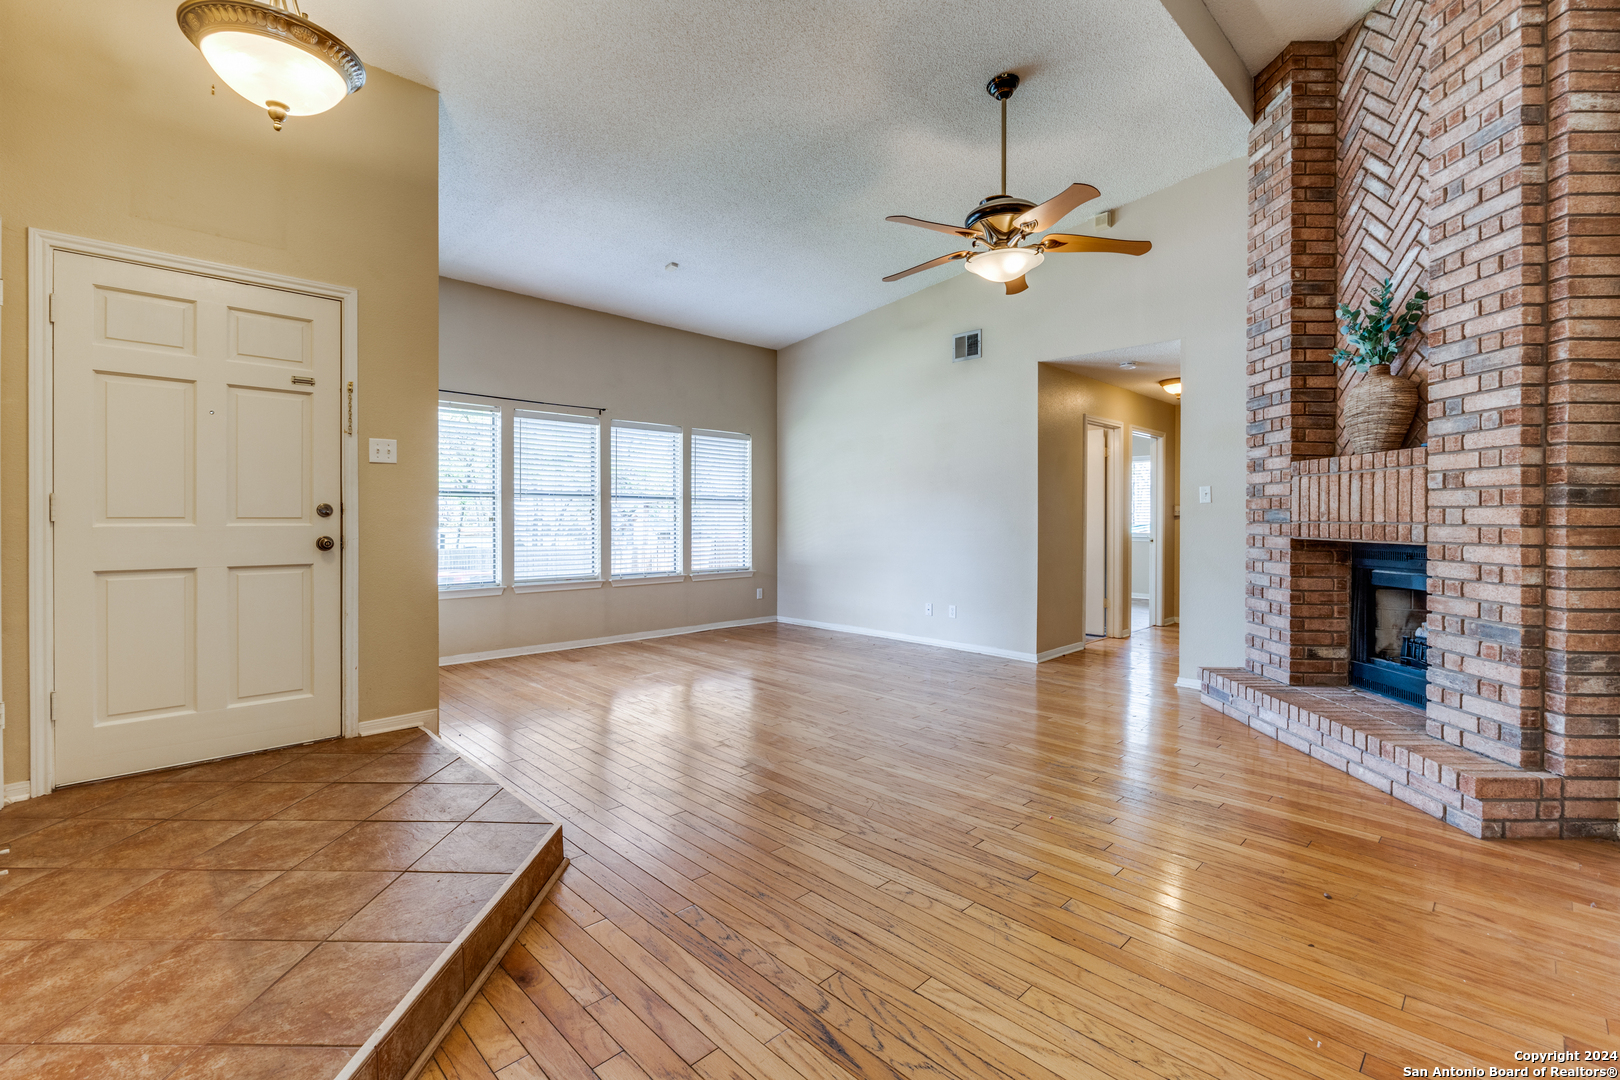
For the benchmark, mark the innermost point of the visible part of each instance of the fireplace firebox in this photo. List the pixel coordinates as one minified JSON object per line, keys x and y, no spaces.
{"x":1388,"y":612}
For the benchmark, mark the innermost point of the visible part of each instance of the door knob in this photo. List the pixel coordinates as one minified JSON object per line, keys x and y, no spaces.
{"x":326,"y":543}
{"x":324,"y":510}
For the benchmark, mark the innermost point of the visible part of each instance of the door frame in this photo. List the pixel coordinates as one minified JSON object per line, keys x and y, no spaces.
{"x":43,"y":247}
{"x":1161,"y":522}
{"x":1117,"y":544}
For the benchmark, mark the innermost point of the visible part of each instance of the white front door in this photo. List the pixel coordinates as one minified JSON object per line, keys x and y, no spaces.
{"x":197,"y":438}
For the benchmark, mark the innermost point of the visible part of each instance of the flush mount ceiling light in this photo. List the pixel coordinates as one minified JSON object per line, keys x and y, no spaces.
{"x":272,"y":55}
{"x":1172,"y":386}
{"x":1001,"y":227}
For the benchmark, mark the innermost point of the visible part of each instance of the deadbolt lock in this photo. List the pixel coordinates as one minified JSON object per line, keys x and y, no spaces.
{"x":326,"y":543}
{"x":325,"y":509}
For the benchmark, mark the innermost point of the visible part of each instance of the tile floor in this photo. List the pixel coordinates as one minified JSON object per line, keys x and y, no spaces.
{"x":246,"y":918}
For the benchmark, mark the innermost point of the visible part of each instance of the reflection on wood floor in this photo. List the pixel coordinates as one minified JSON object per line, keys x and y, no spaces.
{"x":805,"y":854}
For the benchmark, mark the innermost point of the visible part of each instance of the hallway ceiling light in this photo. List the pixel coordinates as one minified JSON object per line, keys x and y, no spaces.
{"x":1000,"y":224}
{"x":272,"y":55}
{"x":1172,"y":386}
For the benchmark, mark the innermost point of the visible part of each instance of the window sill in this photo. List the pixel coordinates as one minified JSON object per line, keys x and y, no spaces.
{"x":722,"y":574}
{"x":457,"y":594}
{"x":557,"y":586}
{"x":660,"y":580}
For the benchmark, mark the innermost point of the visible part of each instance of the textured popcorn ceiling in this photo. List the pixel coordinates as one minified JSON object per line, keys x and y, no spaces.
{"x":760,"y":144}
{"x":1260,"y":29}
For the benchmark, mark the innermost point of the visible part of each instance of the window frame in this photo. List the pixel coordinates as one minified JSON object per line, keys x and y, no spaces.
{"x":498,"y":586}
{"x":691,"y":501}
{"x":528,"y":585}
{"x":682,"y":514}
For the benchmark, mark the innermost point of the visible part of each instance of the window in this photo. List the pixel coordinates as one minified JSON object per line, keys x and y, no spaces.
{"x":1142,"y":495}
{"x":469,"y":496}
{"x":722,"y":502}
{"x":556,"y":505}
{"x":646,"y":467}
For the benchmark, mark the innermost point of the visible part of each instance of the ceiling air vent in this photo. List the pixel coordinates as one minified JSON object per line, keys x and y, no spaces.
{"x":967,"y":347}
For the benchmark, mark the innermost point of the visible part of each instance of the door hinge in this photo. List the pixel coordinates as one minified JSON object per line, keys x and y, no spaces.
{"x":53,"y":706}
{"x":52,"y":497}
{"x":50,"y":308}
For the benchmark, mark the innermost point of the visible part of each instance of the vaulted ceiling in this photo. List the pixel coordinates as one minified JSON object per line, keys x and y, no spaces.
{"x":759,"y":145}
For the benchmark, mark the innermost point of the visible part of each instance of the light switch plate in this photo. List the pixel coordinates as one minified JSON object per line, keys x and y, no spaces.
{"x":386,"y":451}
{"x":1203,"y":494}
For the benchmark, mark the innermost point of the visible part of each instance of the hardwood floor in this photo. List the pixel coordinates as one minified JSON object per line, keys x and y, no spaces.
{"x":799,"y":854}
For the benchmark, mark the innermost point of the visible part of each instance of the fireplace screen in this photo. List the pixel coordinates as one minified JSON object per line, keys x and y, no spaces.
{"x":1388,"y":612}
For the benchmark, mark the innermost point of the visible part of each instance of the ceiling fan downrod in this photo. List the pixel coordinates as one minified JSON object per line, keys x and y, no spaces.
{"x":1001,"y":88}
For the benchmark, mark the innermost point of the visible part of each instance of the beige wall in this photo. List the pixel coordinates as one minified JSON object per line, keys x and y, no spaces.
{"x":108,"y":130}
{"x":1066,"y":400}
{"x":494,"y":342}
{"x":907,"y":479}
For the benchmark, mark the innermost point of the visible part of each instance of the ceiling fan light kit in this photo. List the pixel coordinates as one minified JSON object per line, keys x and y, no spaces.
{"x":272,"y":55}
{"x":1003,"y":228}
{"x":1005,"y":264}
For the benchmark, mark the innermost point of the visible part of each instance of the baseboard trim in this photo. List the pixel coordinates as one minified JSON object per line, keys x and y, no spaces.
{"x":18,"y":791}
{"x":586,"y":643}
{"x":1185,"y":683}
{"x":959,"y":646}
{"x":427,"y":718}
{"x":1061,"y":650}
{"x":1172,"y":620}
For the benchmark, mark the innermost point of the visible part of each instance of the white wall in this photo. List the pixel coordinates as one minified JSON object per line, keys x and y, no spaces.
{"x":907,"y":479}
{"x":494,"y":342}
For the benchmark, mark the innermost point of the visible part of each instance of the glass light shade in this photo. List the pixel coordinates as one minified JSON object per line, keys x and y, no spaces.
{"x":1171,"y":386}
{"x":1005,"y":264}
{"x":264,"y":69}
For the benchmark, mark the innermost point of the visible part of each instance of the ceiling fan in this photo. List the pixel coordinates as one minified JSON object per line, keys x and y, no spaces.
{"x":1001,"y":224}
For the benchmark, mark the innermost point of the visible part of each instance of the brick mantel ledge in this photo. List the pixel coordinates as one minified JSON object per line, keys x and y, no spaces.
{"x":1384,"y":744}
{"x":1377,"y":498}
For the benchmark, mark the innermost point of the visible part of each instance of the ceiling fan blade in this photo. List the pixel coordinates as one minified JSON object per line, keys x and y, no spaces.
{"x":1055,"y":209}
{"x":1016,"y":286}
{"x":929,"y":265}
{"x":954,"y":230}
{"x":1061,"y":242}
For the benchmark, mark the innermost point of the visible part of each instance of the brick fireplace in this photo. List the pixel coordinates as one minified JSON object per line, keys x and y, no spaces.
{"x":1470,"y":147}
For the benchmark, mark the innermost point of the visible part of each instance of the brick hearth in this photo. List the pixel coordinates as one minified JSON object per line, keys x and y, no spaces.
{"x":1384,"y":743}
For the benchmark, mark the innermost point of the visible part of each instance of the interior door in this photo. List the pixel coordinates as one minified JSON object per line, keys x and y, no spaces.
{"x":196,"y":589}
{"x":1096,"y":525}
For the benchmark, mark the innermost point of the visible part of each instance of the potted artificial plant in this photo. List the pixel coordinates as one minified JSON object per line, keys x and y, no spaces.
{"x":1378,"y":409}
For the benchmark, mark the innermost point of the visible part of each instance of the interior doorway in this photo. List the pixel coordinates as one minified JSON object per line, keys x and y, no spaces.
{"x":1146,"y":480}
{"x":1107,"y":603}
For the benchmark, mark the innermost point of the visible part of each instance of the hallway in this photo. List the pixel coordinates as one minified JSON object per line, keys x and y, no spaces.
{"x":805,"y":854}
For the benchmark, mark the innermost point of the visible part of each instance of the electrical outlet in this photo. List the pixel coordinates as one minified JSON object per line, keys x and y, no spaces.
{"x":1203,"y":494}
{"x":951,"y":611}
{"x":759,"y":594}
{"x":928,"y":609}
{"x":385,"y":451}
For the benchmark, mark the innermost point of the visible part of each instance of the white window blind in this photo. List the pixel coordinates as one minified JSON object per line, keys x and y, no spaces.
{"x":469,"y":495}
{"x":722,"y":502}
{"x":556,"y":508}
{"x":646,"y":501}
{"x":1142,"y":495}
